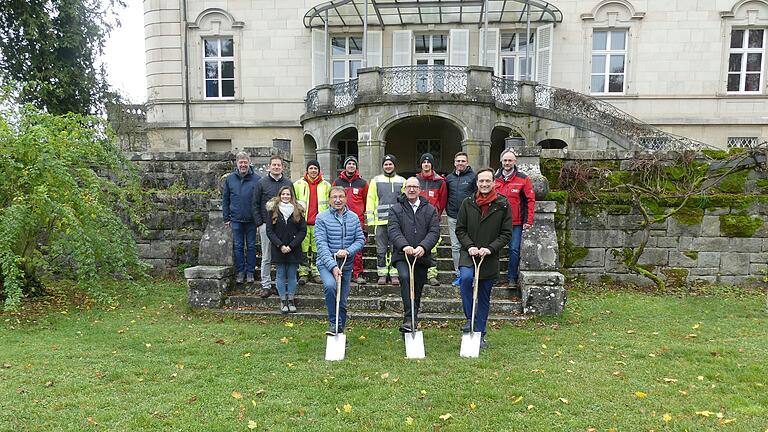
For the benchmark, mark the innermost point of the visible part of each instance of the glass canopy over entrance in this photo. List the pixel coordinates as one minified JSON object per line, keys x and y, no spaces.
{"x":382,"y":13}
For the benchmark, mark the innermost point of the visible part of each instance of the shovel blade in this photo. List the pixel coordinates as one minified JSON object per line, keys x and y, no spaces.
{"x":470,"y":344}
{"x":414,"y":345}
{"x":335,"y":347}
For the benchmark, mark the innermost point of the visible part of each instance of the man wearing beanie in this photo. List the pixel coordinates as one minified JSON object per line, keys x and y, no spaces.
{"x":383,"y":193}
{"x":435,"y":190}
{"x":312,"y":192}
{"x":357,"y":190}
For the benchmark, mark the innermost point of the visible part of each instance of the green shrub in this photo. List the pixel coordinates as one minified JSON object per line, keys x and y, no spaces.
{"x":65,"y":191}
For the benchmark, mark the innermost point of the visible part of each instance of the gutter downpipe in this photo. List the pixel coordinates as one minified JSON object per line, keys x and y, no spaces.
{"x":484,"y":61}
{"x":186,"y":75}
{"x":365,"y":36}
{"x":528,"y":65}
{"x":327,"y":39}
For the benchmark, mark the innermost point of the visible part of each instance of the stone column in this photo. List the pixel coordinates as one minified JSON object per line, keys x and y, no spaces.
{"x":478,"y":152}
{"x":327,"y":158}
{"x":479,"y":80}
{"x":368,"y":81}
{"x":370,"y":153}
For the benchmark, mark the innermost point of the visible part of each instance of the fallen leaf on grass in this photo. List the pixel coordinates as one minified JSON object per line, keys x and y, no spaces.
{"x":408,"y":420}
{"x":704,"y":413}
{"x":640,"y":394}
{"x":362,"y":337}
{"x":253,"y":402}
{"x":666,"y":417}
{"x":192,"y":399}
{"x":260,"y":392}
{"x":724,"y":422}
{"x":148,"y":345}
{"x":564,"y":400}
{"x":289,"y":324}
{"x":247,"y":355}
{"x":284,"y":340}
{"x":92,"y":421}
{"x":700,"y":378}
{"x":7,"y":365}
{"x":695,"y":326}
{"x":220,"y":341}
{"x":516,"y":400}
{"x":472,"y":406}
{"x":423,"y":392}
{"x":385,"y":375}
{"x":251,"y":424}
{"x":670,"y":380}
{"x":347,"y":408}
{"x":49,"y":383}
{"x":445,"y":416}
{"x":237,"y":395}
{"x":630,"y":332}
{"x":529,"y":407}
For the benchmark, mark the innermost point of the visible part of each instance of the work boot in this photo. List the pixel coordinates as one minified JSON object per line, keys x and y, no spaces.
{"x":249,"y":278}
{"x":382,"y":280}
{"x":483,"y":343}
{"x":407,"y":326}
{"x":395,"y":282}
{"x":291,"y":306}
{"x":264,"y":293}
{"x":360,"y":280}
{"x":284,"y":306}
{"x":239,"y":278}
{"x":303,"y":280}
{"x":331,"y":330}
{"x":434,"y":282}
{"x":456,"y":282}
{"x":467,"y":327}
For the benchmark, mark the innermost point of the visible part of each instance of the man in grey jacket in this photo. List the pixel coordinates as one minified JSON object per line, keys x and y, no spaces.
{"x":267,"y":188}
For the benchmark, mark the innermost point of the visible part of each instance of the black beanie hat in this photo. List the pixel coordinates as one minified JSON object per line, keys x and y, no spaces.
{"x":312,"y":162}
{"x":350,"y":158}
{"x":389,"y":157}
{"x":428,"y":157}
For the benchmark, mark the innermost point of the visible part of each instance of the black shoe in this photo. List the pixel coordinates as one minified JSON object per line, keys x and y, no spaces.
{"x":291,"y":306}
{"x":466,"y":328}
{"x":406,"y":326}
{"x":284,"y":306}
{"x":331,"y":330}
{"x":249,"y":278}
{"x":240,"y":278}
{"x":264,"y":293}
{"x":484,"y":344}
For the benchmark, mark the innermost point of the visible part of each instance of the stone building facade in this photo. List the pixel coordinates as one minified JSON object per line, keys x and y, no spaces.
{"x":410,"y":76}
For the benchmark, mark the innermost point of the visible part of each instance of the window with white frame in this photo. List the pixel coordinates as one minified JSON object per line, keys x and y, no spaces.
{"x":746,"y":60}
{"x":514,"y":64}
{"x":219,"y":65}
{"x":346,"y":57}
{"x":609,"y":61}
{"x":431,"y":49}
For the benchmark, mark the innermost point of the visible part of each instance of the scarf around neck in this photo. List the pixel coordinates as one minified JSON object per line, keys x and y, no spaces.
{"x":286,"y":209}
{"x":484,"y":202}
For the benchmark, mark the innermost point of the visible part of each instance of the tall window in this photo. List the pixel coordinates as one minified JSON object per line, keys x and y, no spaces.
{"x":514,"y":64}
{"x":431,"y":49}
{"x":746,"y":60}
{"x":609,"y":61}
{"x":219,"y":62}
{"x":346,"y":57}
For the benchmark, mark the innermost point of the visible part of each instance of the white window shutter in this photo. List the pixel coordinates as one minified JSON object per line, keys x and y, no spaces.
{"x":374,"y":49}
{"x":319,"y":62}
{"x":401,"y":47}
{"x":544,"y":40}
{"x":489,"y":57}
{"x":459,"y":43}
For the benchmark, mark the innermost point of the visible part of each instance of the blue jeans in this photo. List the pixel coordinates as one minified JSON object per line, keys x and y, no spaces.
{"x":514,"y":252}
{"x":286,"y":271}
{"x":329,"y":287}
{"x":244,"y":234}
{"x":467,"y":275}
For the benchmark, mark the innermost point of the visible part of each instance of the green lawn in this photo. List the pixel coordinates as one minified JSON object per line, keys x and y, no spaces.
{"x":615,"y":360}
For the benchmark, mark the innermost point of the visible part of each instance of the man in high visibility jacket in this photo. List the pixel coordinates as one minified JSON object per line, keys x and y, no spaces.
{"x":312,"y":192}
{"x":383,"y":192}
{"x":435,"y":190}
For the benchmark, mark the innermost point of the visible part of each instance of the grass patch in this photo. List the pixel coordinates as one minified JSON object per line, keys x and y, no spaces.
{"x":615,"y":359}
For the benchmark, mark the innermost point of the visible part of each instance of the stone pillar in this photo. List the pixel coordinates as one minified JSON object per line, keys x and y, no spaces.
{"x":478,"y":153}
{"x":327,"y":158}
{"x":368,"y":81}
{"x":369,"y":153}
{"x":527,"y":96}
{"x":324,"y":97}
{"x":479,"y":80}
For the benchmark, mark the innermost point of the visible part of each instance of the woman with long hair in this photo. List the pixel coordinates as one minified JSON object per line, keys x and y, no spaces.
{"x":286,"y":230}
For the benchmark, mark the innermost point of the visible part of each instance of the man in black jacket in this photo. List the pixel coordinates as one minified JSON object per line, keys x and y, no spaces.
{"x":461,"y":184}
{"x":266,"y":189}
{"x":413,"y":229}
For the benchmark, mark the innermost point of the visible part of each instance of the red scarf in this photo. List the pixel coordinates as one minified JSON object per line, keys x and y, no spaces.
{"x":484,"y":202}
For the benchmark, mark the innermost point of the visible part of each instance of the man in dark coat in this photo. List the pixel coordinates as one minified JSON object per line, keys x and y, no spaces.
{"x":266,"y":189}
{"x":484,"y":227}
{"x":461,"y":183}
{"x":413,"y":228}
{"x":236,"y":208}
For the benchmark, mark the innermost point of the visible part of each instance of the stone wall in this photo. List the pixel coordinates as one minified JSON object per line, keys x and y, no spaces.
{"x":184,"y":190}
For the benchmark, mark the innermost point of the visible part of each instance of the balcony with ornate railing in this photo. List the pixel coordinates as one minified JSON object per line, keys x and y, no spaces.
{"x":477,"y":85}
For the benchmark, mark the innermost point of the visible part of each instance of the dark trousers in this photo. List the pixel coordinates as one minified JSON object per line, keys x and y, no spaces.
{"x":419,"y":278}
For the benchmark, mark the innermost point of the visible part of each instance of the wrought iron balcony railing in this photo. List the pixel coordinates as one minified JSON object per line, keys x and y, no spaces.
{"x":403,"y":80}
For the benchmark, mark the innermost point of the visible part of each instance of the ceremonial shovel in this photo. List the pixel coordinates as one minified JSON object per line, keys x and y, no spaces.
{"x":336,"y":344}
{"x":414,"y":341}
{"x":470,"y":342}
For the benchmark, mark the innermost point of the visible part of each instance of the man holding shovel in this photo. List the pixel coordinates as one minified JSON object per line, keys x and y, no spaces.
{"x":339,"y":237}
{"x":413,"y":229}
{"x":484,"y":227}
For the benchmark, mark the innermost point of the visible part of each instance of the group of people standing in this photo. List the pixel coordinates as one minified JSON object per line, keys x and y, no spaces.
{"x":315,"y":230}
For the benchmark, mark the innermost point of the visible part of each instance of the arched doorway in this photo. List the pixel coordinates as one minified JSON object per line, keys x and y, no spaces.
{"x":552,"y":143}
{"x":310,"y":148}
{"x":410,"y":138}
{"x":498,"y":135}
{"x":345,"y":143}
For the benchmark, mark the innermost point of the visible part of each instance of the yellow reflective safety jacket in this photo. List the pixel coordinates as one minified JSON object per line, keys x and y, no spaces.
{"x":383,"y":191}
{"x":301,"y":189}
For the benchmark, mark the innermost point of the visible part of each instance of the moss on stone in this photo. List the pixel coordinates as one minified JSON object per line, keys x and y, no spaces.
{"x":715,"y":154}
{"x":733,"y":201}
{"x":606,"y":280}
{"x":739,"y":225}
{"x":676,"y":277}
{"x":617,"y":178}
{"x":733,"y":183}
{"x":560,"y":197}
{"x":689,"y":215}
{"x":692,"y":255}
{"x":762,"y":184}
{"x":618,"y":209}
{"x":590,"y":210}
{"x":573,"y":254}
{"x":550,"y":168}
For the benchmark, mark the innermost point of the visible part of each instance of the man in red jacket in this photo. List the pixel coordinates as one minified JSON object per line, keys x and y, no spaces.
{"x":357,"y":192}
{"x":518,"y":190}
{"x":435,"y":190}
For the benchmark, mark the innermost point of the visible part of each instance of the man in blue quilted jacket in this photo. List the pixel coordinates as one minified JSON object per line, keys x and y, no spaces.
{"x":236,"y":208}
{"x":338,"y":235}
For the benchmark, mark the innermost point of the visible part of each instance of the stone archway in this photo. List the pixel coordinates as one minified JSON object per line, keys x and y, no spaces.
{"x":409,"y":138}
{"x":552,"y":143}
{"x":310,"y":148}
{"x":343,"y":144}
{"x":498,"y":135}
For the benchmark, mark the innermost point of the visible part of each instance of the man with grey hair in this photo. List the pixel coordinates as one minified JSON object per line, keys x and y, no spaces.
{"x":237,"y":211}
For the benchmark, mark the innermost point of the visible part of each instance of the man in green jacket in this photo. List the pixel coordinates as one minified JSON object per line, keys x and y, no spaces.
{"x":484,"y":227}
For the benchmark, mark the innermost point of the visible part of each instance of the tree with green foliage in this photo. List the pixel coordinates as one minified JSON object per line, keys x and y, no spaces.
{"x":51,"y":48}
{"x":67,"y":197}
